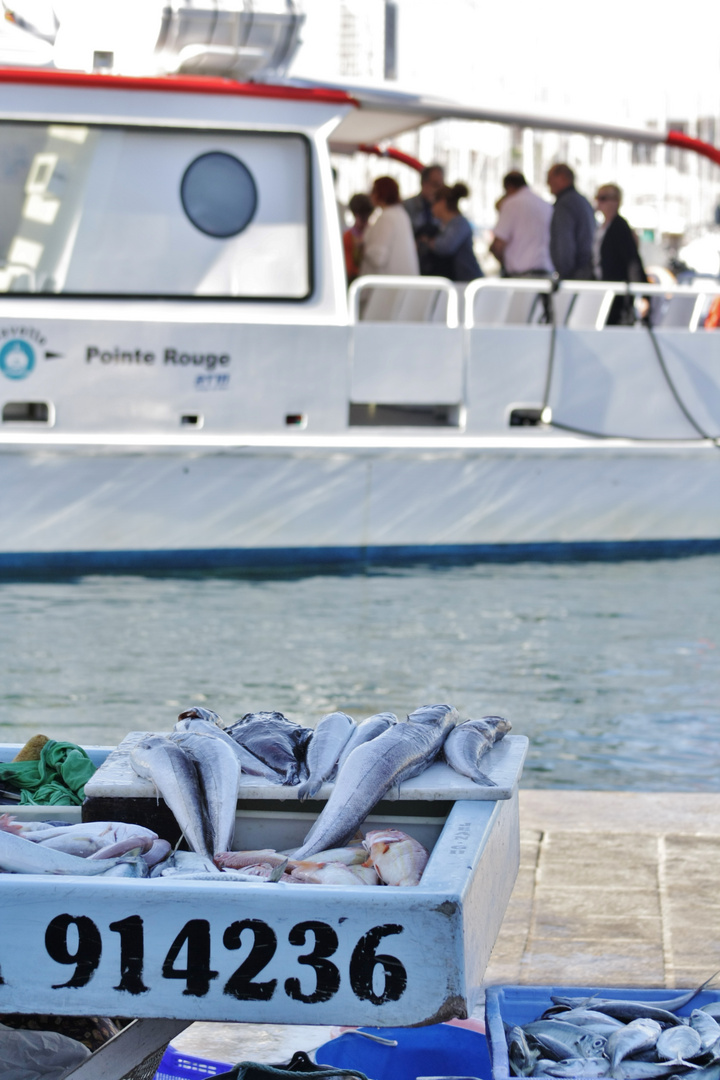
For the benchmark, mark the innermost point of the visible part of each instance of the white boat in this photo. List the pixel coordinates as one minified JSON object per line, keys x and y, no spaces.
{"x":185,"y":380}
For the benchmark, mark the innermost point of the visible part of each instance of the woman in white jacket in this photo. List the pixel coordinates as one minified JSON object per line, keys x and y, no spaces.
{"x":389,"y":248}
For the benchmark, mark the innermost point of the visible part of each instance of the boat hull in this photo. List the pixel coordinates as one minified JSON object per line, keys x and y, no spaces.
{"x":335,"y":501}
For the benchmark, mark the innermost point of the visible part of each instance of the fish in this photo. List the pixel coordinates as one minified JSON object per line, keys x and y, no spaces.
{"x":328,"y":874}
{"x":364,"y":732}
{"x":197,"y":712}
{"x":706,"y":1026}
{"x":634,"y":1008}
{"x":175,"y":776}
{"x":219,"y":772}
{"x":21,"y":856}
{"x":239,"y":860}
{"x":139,"y":845}
{"x":522,"y":1056}
{"x":323,"y":750}
{"x":249,"y":763}
{"x":404,"y":750}
{"x":397,"y":858}
{"x":277,"y":741}
{"x":584,"y":1018}
{"x":469,"y":742}
{"x":678,"y":1043}
{"x":640,"y":1034}
{"x":571,"y":1067}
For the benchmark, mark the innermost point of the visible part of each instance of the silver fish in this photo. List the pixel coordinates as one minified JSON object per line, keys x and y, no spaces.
{"x":21,"y":856}
{"x":468,"y":743}
{"x":706,"y":1026}
{"x":571,"y":1067}
{"x":324,"y":749}
{"x":197,"y":712}
{"x":523,"y":1057}
{"x":277,"y":741}
{"x":219,"y":771}
{"x":640,"y":1034}
{"x":678,"y":1043}
{"x":364,"y":732}
{"x":372,"y":769}
{"x":634,"y":1009}
{"x":175,"y":776}
{"x":249,"y":763}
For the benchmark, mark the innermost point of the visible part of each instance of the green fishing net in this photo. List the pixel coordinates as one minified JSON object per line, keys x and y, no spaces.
{"x":58,"y":778}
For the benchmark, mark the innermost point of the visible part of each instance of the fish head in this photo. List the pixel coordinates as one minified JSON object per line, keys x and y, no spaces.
{"x":197,"y":712}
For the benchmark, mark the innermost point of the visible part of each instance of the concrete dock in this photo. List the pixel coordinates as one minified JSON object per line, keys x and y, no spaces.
{"x":614,"y":889}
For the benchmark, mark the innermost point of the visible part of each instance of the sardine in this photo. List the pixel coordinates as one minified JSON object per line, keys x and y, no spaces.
{"x":397,"y":858}
{"x":219,"y":771}
{"x":323,"y":751}
{"x":21,"y":856}
{"x":467,"y":744}
{"x":404,"y":750}
{"x":364,"y":732}
{"x":277,"y":741}
{"x":175,"y":776}
{"x":249,"y":763}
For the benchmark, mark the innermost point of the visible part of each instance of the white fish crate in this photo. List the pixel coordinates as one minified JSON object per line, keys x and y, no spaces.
{"x":274,"y":953}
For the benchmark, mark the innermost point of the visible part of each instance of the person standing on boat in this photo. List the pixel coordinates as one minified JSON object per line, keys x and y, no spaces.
{"x":452,"y":250}
{"x":389,"y":248}
{"x":419,"y":207}
{"x":361,"y":208}
{"x":615,"y":253}
{"x":521,"y":240}
{"x":572,"y":226}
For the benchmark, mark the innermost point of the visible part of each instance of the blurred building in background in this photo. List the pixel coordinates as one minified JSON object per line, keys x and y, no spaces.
{"x":621,"y":65}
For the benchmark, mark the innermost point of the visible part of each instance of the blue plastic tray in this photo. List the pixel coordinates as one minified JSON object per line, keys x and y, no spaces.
{"x":517,"y":1005}
{"x":436,"y":1050}
{"x":178,"y":1066}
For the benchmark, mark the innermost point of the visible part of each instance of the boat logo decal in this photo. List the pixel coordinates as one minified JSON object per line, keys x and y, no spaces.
{"x":17,"y":358}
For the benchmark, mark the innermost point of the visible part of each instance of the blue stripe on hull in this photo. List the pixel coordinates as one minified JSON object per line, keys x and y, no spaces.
{"x":338,"y":558}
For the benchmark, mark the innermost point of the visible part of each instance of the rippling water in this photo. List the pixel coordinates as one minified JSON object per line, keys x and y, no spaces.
{"x":611,"y":669}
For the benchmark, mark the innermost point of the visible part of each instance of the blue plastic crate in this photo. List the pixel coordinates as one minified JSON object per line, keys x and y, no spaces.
{"x":178,"y":1066}
{"x":436,"y":1050}
{"x":517,"y":1005}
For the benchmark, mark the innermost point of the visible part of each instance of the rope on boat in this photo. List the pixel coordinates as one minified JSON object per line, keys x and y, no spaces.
{"x":546,"y":412}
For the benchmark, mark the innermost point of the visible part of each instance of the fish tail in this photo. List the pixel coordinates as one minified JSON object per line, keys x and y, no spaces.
{"x":308,"y":789}
{"x":483,"y":779}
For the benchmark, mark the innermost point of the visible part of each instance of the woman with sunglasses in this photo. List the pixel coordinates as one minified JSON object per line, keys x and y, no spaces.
{"x":615,"y":255}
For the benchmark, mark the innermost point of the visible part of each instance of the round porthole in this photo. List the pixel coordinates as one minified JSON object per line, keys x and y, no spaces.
{"x":218,"y":194}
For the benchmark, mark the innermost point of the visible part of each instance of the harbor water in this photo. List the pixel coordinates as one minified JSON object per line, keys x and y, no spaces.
{"x":611,"y":669}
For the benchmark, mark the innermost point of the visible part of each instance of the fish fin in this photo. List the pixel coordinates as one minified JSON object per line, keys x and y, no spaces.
{"x":278,"y":871}
{"x":308,"y":789}
{"x":483,"y":780}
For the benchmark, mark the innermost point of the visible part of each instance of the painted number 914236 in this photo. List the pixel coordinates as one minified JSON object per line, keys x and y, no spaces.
{"x":374,"y":976}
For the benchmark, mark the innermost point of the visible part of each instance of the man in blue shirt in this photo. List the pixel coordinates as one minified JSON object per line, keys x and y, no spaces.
{"x":419,"y":207}
{"x":572,"y":227}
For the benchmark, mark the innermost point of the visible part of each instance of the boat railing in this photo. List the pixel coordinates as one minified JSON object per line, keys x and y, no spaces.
{"x":577,"y":305}
{"x":581,"y":305}
{"x":404,"y":299}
